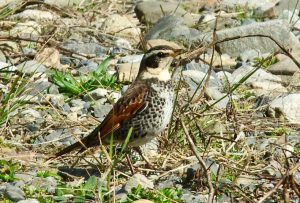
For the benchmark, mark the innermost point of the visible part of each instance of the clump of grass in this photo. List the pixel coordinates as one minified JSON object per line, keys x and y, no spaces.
{"x":8,"y":170}
{"x":69,"y":85}
{"x":166,"y":195}
{"x":8,"y":103}
{"x":265,"y":62}
{"x":81,"y":193}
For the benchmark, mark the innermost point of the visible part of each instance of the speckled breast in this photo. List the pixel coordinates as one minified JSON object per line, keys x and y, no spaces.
{"x":154,"y":118}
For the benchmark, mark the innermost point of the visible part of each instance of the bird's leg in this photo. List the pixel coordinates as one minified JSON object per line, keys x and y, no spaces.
{"x":130,"y":164}
{"x":139,"y":151}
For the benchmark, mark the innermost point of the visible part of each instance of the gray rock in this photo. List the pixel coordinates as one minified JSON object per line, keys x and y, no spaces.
{"x":56,"y":135}
{"x":31,"y":67}
{"x":73,"y":62}
{"x":258,"y":80}
{"x":121,"y":26}
{"x":5,"y":3}
{"x":96,"y":94}
{"x":250,"y":55}
{"x":14,"y":193}
{"x":287,"y":106}
{"x":87,"y":48}
{"x":131,"y":59}
{"x":195,"y":168}
{"x":41,"y":86}
{"x":195,"y":75}
{"x":246,"y":181}
{"x":283,"y":5}
{"x":286,"y":66}
{"x":225,"y":78}
{"x":77,"y":102}
{"x":63,"y":3}
{"x":29,"y":29}
{"x":250,"y":140}
{"x":190,"y":198}
{"x":127,"y":71}
{"x":151,"y":149}
{"x":170,"y":182}
{"x":261,"y":8}
{"x":278,"y":29}
{"x":27,"y":50}
{"x":56,"y":100}
{"x":31,"y":115}
{"x":216,"y":95}
{"x":101,"y":110}
{"x":197,"y":71}
{"x":121,"y":46}
{"x":292,"y":17}
{"x":82,"y":106}
{"x":138,"y":179}
{"x":24,"y":176}
{"x":121,"y":197}
{"x":48,"y":184}
{"x":87,"y":66}
{"x":264,"y":143}
{"x":173,"y":28}
{"x":151,"y":11}
{"x":124,"y":89}
{"x":29,"y":201}
{"x":37,"y":15}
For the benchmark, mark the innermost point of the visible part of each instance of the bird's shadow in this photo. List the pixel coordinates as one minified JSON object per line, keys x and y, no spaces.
{"x":71,"y":173}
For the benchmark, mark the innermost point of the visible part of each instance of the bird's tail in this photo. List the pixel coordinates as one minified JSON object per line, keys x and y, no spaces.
{"x":88,"y":141}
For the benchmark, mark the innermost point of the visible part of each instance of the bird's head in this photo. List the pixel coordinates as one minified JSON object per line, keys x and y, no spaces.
{"x":156,"y":63}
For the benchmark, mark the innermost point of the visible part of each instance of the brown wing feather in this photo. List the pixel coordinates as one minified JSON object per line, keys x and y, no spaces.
{"x":125,"y":108}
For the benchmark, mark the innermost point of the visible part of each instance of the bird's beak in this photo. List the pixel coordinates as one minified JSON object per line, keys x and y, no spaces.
{"x":176,"y":52}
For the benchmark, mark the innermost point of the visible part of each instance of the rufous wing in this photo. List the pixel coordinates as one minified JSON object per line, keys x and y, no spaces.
{"x":126,"y":107}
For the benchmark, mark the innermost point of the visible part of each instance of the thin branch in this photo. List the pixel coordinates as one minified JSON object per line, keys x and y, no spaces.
{"x":202,"y":163}
{"x":277,"y":186}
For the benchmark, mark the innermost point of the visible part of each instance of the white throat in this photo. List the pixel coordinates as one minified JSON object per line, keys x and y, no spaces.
{"x":161,"y":75}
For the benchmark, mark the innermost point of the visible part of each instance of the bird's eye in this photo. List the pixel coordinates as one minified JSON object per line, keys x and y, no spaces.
{"x":161,"y":54}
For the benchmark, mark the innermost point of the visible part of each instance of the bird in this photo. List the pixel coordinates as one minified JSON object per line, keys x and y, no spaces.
{"x":145,"y":108}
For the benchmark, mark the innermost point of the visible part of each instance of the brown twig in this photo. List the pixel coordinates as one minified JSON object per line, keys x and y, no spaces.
{"x":277,"y":186}
{"x":202,"y":163}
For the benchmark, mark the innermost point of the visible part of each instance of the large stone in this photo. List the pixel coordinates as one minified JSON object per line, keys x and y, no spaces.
{"x":5,"y":2}
{"x":121,"y":26}
{"x":29,"y":201}
{"x":260,"y":80}
{"x":96,"y":94}
{"x":152,"y":11}
{"x":31,"y":67}
{"x":287,"y":106}
{"x":263,"y":8}
{"x":277,"y":29}
{"x":87,"y":48}
{"x":173,"y":28}
{"x":101,"y":110}
{"x":284,"y":4}
{"x":14,"y":193}
{"x":127,"y":71}
{"x":292,"y":17}
{"x":49,"y":57}
{"x":29,"y":29}
{"x":30,"y":14}
{"x":136,"y":180}
{"x":64,"y":3}
{"x":285,"y":66}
